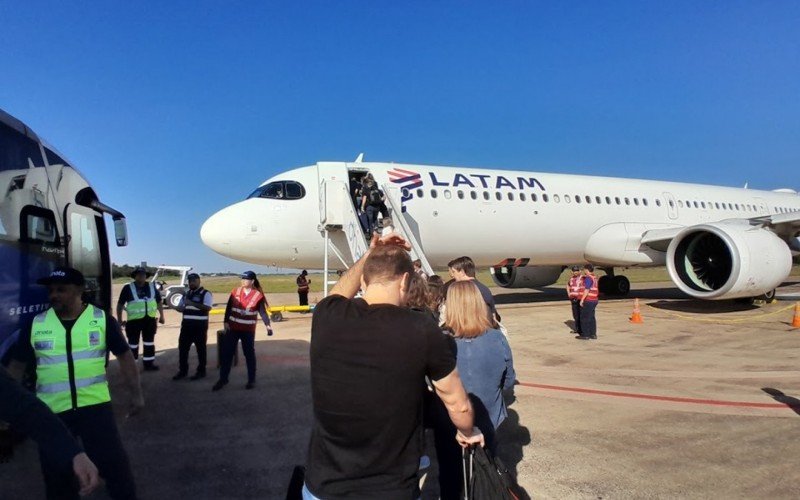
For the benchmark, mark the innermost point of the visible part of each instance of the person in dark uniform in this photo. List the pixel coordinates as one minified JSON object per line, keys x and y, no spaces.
{"x":588,"y":303}
{"x":69,"y":345}
{"x":574,"y":288}
{"x":245,"y":304}
{"x":27,"y":415}
{"x":302,"y":287}
{"x":195,"y":305}
{"x":142,"y":304}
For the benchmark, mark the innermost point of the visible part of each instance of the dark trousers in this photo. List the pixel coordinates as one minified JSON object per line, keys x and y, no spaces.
{"x":588,"y":323}
{"x":576,"y":314}
{"x":372,"y":218}
{"x":146,"y":328}
{"x":192,"y":332}
{"x":96,"y":428}
{"x":230,"y":342}
{"x":303,"y":296}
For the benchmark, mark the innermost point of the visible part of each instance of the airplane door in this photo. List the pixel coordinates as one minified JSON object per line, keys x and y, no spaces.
{"x":672,"y":206}
{"x":332,"y":177}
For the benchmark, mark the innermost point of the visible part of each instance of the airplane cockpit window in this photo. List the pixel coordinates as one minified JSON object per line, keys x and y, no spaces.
{"x":280,"y":190}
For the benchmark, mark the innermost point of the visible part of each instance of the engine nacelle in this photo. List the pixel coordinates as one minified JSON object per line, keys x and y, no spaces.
{"x":525,"y":277}
{"x":727,"y":260}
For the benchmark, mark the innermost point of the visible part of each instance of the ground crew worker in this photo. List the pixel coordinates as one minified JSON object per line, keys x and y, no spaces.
{"x":142,"y":304}
{"x":588,"y":303}
{"x":195,"y":305}
{"x":69,"y":346}
{"x":302,"y":287}
{"x":574,"y":293}
{"x":245,"y":304}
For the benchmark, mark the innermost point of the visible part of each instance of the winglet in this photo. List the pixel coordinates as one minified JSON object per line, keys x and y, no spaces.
{"x":360,"y":158}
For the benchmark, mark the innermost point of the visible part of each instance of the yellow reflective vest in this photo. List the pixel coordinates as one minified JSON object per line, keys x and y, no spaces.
{"x":137,"y":308}
{"x":70,"y":372}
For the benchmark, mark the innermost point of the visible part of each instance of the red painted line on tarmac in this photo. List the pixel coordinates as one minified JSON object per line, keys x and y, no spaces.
{"x":652,"y":397}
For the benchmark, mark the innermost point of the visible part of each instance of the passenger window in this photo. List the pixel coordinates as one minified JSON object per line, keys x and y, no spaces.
{"x":544,"y":198}
{"x":420,"y":193}
{"x":627,"y":201}
{"x":567,"y":198}
{"x":473,"y":195}
{"x":616,"y":199}
{"x":696,"y":205}
{"x":671,"y":203}
{"x":447,"y":194}
{"x":522,"y":197}
{"x":534,"y":197}
{"x":608,"y":200}
{"x":460,"y":194}
{"x":680,"y":204}
{"x":658,"y":202}
{"x":703,"y":204}
{"x":434,"y":194}
{"x":486,"y":195}
{"x":556,"y":198}
{"x":577,"y":198}
{"x":644,"y":201}
{"x":636,"y":201}
{"x":598,"y":200}
{"x":588,"y":199}
{"x":405,"y":192}
{"x":498,"y":196}
{"x":510,"y":196}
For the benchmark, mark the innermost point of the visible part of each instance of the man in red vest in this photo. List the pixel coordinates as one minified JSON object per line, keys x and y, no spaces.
{"x":588,"y":303}
{"x":574,"y":292}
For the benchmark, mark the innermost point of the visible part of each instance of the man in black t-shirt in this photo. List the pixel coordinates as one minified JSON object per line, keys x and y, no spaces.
{"x":368,"y":360}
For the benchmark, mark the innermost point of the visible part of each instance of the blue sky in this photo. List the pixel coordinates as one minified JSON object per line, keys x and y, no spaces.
{"x":176,"y":109}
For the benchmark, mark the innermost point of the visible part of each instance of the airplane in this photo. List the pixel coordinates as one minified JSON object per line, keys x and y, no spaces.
{"x":526,"y":227}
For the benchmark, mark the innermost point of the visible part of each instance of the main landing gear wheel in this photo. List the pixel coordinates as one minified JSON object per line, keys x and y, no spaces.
{"x":604,"y":283}
{"x":621,"y":285}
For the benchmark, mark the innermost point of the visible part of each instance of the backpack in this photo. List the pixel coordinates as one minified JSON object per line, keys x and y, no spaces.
{"x":486,"y":477}
{"x":374,"y":197}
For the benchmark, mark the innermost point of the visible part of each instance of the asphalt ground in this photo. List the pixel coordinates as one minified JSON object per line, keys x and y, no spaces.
{"x":702,"y":400}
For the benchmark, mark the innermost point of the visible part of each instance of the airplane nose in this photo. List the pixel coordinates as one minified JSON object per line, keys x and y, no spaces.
{"x":223,"y":232}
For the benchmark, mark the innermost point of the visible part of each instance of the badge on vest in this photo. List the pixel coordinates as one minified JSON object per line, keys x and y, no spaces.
{"x":94,"y":338}
{"x":43,"y":345}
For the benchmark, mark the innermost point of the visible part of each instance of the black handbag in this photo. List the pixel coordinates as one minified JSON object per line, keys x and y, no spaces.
{"x":486,"y":478}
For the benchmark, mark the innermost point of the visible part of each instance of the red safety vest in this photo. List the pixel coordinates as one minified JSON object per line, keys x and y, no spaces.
{"x":594,"y":291}
{"x":244,"y":315}
{"x":575,"y":287}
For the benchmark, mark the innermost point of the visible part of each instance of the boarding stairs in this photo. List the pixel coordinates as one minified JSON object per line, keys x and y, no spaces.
{"x":342,"y":231}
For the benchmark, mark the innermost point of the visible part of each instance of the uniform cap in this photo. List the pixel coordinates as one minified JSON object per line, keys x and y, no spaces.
{"x":248,"y":275}
{"x":64,"y":276}
{"x":140,"y":270}
{"x":576,"y":268}
{"x":193,"y":276}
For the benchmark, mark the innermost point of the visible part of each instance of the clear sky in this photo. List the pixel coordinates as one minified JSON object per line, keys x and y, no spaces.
{"x":175,"y":109}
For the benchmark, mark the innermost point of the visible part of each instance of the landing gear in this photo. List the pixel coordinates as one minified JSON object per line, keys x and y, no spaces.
{"x":613,"y":285}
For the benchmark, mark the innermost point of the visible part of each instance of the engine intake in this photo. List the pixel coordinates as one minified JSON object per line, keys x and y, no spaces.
{"x":727,"y":260}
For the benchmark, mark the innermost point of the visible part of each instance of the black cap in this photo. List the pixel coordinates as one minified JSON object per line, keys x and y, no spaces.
{"x":193,"y":276}
{"x":248,"y":275}
{"x":63,"y":276}
{"x":589,"y":267}
{"x":140,"y":270}
{"x":575,"y":268}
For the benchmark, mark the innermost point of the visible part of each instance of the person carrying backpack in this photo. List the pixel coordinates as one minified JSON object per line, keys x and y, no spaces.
{"x":372,"y":203}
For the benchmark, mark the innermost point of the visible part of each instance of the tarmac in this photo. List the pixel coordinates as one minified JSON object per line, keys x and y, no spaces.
{"x":699,"y":401}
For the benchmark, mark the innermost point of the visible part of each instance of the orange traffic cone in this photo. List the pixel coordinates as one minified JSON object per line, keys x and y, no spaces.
{"x":636,"y":317}
{"x":796,"y":318}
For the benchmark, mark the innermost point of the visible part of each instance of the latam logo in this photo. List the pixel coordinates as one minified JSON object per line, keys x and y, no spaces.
{"x":406,"y":180}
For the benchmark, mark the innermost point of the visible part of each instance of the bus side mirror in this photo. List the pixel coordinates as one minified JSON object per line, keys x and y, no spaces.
{"x":121,"y":231}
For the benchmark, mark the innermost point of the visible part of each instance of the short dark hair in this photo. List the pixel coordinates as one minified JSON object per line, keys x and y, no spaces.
{"x":588,"y":267}
{"x":464,"y":264}
{"x":386,"y":263}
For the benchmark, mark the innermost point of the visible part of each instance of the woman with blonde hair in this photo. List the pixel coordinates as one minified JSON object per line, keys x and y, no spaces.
{"x":486,"y":367}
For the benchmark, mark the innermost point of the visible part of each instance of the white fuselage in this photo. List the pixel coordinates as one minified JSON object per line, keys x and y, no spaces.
{"x":491,"y":215}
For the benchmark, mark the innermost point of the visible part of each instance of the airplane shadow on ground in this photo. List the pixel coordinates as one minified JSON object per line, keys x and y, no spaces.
{"x":703,"y":306}
{"x":544,"y":295}
{"x":782,"y":398}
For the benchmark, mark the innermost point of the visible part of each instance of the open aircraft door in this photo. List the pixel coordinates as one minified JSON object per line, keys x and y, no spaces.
{"x":672,"y":206}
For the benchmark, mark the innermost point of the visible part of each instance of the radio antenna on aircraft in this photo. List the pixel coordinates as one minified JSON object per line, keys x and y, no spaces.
{"x":360,"y":158}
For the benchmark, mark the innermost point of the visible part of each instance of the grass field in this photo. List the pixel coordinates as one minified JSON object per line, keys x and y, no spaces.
{"x":282,"y":283}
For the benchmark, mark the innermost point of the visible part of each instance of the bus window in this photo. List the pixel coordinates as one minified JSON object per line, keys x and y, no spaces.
{"x":38,"y":225}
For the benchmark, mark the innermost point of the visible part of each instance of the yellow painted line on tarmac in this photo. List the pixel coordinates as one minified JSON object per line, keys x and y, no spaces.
{"x":271,"y":310}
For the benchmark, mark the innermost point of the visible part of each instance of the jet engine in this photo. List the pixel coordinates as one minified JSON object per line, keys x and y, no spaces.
{"x":727,"y":260}
{"x":525,"y":277}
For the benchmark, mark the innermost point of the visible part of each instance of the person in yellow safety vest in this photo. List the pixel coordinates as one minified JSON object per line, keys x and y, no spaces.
{"x":142,"y":304}
{"x":574,"y":293}
{"x":69,"y":346}
{"x":590,"y":294}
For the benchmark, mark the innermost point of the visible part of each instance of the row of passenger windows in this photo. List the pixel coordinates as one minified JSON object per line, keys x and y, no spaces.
{"x":588,"y":200}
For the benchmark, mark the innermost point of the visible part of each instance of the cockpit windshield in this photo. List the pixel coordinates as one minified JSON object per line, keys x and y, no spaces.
{"x":280,"y":190}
